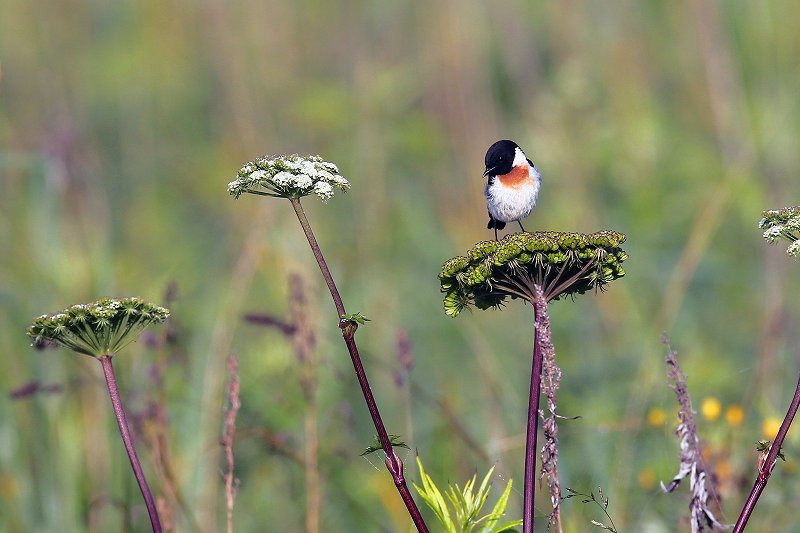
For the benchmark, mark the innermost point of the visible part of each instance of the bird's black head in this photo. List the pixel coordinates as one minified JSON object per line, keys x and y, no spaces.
{"x":500,"y":158}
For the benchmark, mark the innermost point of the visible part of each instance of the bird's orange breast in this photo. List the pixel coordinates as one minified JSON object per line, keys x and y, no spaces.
{"x":518,"y":177}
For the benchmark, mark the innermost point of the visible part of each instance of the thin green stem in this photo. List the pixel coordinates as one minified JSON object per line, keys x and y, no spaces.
{"x":512,"y":290}
{"x":393,"y":462}
{"x":127,"y":439}
{"x":262,"y":193}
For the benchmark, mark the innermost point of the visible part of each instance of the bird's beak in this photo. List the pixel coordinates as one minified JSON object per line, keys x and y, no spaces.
{"x":488,"y":171}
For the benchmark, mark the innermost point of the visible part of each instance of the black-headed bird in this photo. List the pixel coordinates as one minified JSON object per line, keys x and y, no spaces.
{"x":513,"y":185}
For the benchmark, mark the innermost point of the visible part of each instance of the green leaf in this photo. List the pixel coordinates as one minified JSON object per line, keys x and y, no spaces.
{"x":466,"y":504}
{"x":432,"y":496}
{"x":499,"y":510}
{"x":376,"y":445}
{"x":356,"y":318}
{"x":508,"y":527}
{"x":764,"y":447}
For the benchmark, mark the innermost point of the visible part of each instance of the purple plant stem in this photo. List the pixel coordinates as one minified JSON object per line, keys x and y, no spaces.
{"x":393,"y":463}
{"x":124,"y":431}
{"x":533,"y":428}
{"x":765,"y":471}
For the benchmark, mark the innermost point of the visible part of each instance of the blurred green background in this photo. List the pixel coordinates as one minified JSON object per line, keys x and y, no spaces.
{"x":121,"y":124}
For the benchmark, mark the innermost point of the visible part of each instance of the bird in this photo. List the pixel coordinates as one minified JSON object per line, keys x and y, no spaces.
{"x":512,"y":187}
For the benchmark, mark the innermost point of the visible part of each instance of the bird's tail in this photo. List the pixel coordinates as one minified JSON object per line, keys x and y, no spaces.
{"x":495,"y":224}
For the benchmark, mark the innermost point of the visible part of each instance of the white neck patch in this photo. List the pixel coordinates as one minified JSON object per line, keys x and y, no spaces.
{"x":519,"y":157}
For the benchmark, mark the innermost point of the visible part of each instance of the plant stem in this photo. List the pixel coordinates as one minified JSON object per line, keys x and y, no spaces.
{"x":235,"y":403}
{"x":393,"y":463}
{"x":765,"y":471}
{"x":124,"y":431}
{"x":303,"y":342}
{"x":315,"y":249}
{"x":533,"y":427}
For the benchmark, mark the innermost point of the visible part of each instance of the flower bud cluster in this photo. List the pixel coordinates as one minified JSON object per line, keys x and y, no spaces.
{"x":547,"y":257}
{"x":98,"y":328}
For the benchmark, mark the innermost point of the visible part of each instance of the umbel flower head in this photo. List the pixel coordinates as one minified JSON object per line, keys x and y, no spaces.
{"x":98,"y":328}
{"x":288,"y":176}
{"x":560,"y":263}
{"x":783,"y":223}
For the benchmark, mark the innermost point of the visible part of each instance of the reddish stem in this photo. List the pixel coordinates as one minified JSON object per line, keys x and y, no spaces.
{"x":393,"y":463}
{"x":765,"y":471}
{"x":533,"y":428}
{"x":124,"y":431}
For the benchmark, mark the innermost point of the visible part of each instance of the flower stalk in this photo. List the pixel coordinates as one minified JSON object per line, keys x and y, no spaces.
{"x":100,"y":329}
{"x":537,"y":268}
{"x":532,"y":431}
{"x":766,"y":466}
{"x":293,"y":177}
{"x":349,"y":327}
{"x":777,"y":224}
{"x":125,"y":433}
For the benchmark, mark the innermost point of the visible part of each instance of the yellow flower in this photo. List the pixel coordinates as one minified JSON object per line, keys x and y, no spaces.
{"x":724,"y":471}
{"x":656,"y":417}
{"x":770,"y":427}
{"x":734,"y":415}
{"x":646,"y":478}
{"x":711,"y":408}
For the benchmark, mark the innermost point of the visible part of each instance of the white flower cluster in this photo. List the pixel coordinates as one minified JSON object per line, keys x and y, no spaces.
{"x":783,"y":224}
{"x":290,"y":176}
{"x":773,"y":233}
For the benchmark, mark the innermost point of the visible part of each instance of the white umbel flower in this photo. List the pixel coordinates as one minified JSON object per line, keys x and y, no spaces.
{"x":290,"y":176}
{"x":781,"y":224}
{"x":323,"y":190}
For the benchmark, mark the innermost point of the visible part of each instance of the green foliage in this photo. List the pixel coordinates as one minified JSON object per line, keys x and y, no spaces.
{"x":98,"y":328}
{"x":764,"y":446}
{"x":466,"y":504}
{"x":561,"y":263}
{"x":355,"y":318}
{"x":289,"y":176}
{"x":376,"y":444}
{"x":783,"y":223}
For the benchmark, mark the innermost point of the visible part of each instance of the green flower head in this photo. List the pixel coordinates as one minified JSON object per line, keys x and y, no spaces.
{"x":783,"y":224}
{"x":288,"y":176}
{"x":98,"y":328}
{"x":560,"y":263}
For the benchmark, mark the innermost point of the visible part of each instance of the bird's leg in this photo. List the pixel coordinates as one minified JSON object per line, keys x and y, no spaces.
{"x":495,"y":234}
{"x":520,"y":225}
